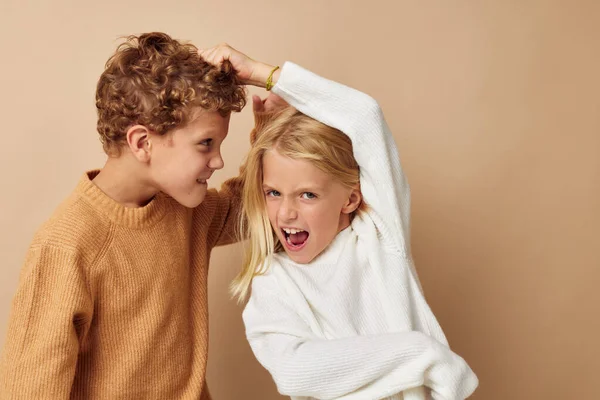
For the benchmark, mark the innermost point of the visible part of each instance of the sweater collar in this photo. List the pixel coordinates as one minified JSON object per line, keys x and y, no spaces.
{"x":132,"y":217}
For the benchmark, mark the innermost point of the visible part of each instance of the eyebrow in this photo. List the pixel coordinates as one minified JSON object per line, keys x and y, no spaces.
{"x":204,"y":136}
{"x":299,"y":190}
{"x":207,"y":133}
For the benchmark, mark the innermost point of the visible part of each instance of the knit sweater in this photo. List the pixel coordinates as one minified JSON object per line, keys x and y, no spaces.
{"x":112,"y":301}
{"x":354,"y":323}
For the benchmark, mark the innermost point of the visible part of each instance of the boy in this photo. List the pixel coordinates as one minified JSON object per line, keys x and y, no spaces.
{"x":112,"y":300}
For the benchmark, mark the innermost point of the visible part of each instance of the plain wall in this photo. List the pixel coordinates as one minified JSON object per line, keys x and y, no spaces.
{"x":495,"y":108}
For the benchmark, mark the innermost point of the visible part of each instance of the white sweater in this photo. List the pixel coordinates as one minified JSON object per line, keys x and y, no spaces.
{"x":353,"y":324}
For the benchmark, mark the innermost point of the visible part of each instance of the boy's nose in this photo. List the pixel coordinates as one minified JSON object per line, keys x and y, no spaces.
{"x":216,"y":162}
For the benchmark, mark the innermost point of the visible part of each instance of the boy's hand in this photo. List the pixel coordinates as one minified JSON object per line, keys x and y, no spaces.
{"x":251,"y":72}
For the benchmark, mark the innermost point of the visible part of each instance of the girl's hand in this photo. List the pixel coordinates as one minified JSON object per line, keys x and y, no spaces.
{"x":271,"y":103}
{"x":250,"y":72}
{"x":264,"y":111}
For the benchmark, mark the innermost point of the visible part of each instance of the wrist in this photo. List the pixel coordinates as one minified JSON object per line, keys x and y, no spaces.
{"x":261,"y":74}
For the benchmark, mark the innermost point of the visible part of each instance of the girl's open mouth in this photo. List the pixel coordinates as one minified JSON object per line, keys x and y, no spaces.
{"x":295,"y":239}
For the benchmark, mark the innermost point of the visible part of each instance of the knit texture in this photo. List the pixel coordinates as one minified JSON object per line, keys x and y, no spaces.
{"x":354,"y":323}
{"x":112,"y":301}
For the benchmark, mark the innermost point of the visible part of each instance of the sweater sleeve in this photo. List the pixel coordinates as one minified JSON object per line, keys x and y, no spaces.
{"x":51,"y":312}
{"x":224,"y":227}
{"x":383,"y":184}
{"x":351,"y":368}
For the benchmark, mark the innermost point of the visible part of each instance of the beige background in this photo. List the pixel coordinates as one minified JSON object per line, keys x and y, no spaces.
{"x":495,"y":106}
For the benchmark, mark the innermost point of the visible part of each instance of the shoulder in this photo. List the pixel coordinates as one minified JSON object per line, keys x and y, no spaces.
{"x":211,"y":204}
{"x":268,"y":298}
{"x":75,"y":227}
{"x":275,"y":282}
{"x":268,"y":279}
{"x":217,"y":204}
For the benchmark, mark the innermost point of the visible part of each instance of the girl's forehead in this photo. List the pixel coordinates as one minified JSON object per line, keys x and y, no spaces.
{"x":274,"y":162}
{"x":293,"y":174}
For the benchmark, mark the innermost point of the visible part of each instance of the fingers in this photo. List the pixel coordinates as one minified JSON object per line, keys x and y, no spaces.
{"x":216,"y":55}
{"x":245,"y":67}
{"x":273,"y":102}
{"x":257,"y":104}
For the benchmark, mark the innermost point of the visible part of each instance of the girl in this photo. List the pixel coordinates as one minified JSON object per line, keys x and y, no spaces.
{"x":339,"y":313}
{"x":336,"y":310}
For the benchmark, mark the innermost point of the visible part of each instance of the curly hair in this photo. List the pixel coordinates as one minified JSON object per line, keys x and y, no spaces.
{"x":156,"y":81}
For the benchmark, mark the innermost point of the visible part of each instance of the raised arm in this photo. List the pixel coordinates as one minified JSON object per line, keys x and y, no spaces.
{"x":383,"y":183}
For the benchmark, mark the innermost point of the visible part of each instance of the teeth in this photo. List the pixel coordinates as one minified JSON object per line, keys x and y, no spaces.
{"x":291,"y":231}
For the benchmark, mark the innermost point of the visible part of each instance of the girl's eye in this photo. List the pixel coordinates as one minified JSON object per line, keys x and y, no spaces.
{"x":206,"y":142}
{"x":272,"y":193}
{"x":309,"y":196}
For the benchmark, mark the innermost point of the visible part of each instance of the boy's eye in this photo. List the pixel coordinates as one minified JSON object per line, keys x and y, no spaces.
{"x":206,"y":142}
{"x":309,"y":196}
{"x":272,"y":193}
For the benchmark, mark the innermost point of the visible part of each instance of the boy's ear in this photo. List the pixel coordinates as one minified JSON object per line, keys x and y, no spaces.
{"x":139,"y":142}
{"x":353,"y":202}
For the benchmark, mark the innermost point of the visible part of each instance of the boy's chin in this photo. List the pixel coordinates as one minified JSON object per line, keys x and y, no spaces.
{"x":190,"y":201}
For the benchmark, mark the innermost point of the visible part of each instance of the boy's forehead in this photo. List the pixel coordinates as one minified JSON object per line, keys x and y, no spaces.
{"x":207,"y":115}
{"x":209,"y":121}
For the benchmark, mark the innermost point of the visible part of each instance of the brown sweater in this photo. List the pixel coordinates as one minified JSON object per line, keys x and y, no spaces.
{"x":112,"y":301}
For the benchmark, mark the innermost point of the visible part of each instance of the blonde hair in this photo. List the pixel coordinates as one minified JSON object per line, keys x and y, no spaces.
{"x":299,"y":137}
